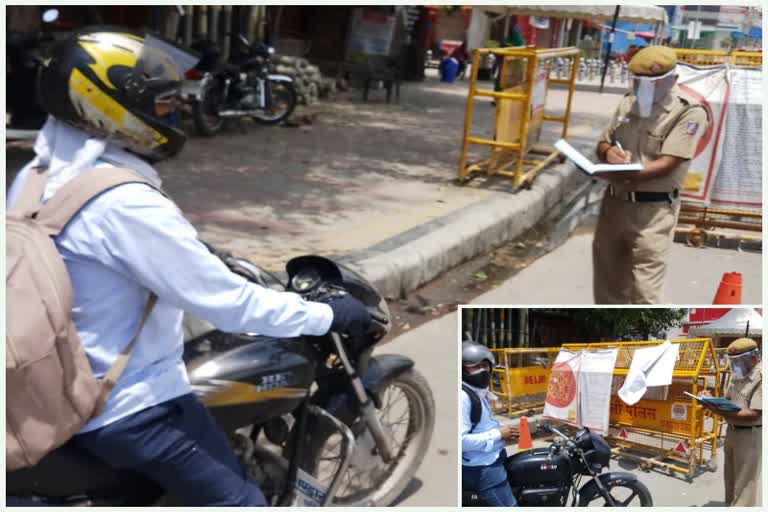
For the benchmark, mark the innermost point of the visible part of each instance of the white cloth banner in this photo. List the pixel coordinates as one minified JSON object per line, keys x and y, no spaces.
{"x":739,"y":182}
{"x":562,"y":393}
{"x":595,"y":379}
{"x":710,"y":87}
{"x":579,"y":391}
{"x":651,"y":366}
{"x":727,"y":168}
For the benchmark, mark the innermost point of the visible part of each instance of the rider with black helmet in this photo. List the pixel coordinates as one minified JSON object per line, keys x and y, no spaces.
{"x":111,"y":96}
{"x":482,"y":437}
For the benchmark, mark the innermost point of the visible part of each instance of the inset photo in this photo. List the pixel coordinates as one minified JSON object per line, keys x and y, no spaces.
{"x":611,"y":407}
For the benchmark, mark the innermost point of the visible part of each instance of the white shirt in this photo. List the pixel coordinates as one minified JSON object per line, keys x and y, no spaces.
{"x":482,"y":446}
{"x":131,"y":240}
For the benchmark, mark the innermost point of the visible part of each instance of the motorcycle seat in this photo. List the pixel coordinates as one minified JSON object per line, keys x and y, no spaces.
{"x":69,"y":471}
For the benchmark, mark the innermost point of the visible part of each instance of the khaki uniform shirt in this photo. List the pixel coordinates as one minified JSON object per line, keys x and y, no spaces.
{"x":747,"y":393}
{"x":674,"y":128}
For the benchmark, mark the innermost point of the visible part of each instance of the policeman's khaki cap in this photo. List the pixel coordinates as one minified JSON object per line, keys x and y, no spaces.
{"x":741,"y":346}
{"x":653,"y":61}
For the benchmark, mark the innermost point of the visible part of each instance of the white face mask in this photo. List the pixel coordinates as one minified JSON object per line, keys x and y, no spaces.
{"x":646,"y":93}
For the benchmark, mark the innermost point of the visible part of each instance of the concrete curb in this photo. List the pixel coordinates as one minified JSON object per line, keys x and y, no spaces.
{"x":407,"y":261}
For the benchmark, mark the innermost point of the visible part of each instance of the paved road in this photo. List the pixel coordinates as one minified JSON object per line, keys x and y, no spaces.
{"x":564,"y":276}
{"x":434,"y":348}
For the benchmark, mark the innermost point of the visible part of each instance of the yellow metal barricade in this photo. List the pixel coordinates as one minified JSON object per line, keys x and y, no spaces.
{"x":700,"y":221}
{"x":521,"y":378}
{"x":666,"y":423}
{"x":520,"y":111}
{"x":719,"y":57}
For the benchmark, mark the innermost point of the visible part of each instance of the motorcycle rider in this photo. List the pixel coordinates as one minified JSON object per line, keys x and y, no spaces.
{"x":482,"y":444}
{"x":111,"y":97}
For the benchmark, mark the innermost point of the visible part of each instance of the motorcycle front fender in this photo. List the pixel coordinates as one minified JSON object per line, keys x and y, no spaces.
{"x":591,"y":489}
{"x":380,"y":372}
{"x":280,"y":78}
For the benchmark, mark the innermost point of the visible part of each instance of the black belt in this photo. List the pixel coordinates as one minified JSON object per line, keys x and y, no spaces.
{"x":644,"y":197}
{"x":744,"y":427}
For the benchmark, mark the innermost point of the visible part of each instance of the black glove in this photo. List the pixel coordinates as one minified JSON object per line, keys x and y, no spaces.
{"x":350,"y":316}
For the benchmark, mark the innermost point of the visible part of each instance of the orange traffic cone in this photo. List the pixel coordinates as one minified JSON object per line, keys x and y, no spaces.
{"x":524,"y":443}
{"x":729,"y":291}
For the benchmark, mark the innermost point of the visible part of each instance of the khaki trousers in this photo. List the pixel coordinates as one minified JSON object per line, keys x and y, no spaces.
{"x":630,"y":250}
{"x":743,"y":468}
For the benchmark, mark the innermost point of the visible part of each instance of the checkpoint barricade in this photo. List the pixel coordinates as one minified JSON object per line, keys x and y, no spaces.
{"x":666,"y":429}
{"x":524,"y":78}
{"x":719,"y":57}
{"x":520,"y":379}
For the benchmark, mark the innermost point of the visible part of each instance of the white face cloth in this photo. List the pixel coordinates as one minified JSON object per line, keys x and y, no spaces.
{"x":645,"y":92}
{"x":67,"y":152}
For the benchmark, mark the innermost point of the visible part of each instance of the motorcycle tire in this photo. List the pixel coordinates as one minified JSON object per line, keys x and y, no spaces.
{"x":205,"y":111}
{"x":636,"y":487}
{"x":399,"y":472}
{"x":290,"y":99}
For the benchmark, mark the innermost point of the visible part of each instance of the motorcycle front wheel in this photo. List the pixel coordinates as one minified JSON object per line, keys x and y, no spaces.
{"x":281,"y":105}
{"x":407,"y":414}
{"x":206,"y":111}
{"x":631,"y":493}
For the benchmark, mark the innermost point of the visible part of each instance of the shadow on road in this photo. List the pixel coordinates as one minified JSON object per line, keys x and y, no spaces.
{"x":413,"y":487}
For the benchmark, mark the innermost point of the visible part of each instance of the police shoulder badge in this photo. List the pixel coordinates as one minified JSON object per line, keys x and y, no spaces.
{"x":692,"y":127}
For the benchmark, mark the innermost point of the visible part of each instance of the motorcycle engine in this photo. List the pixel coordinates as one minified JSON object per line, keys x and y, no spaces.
{"x":266,"y":468}
{"x":543,"y":496}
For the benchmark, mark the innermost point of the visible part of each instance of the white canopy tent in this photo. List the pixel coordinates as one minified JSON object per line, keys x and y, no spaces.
{"x":731,"y":325}
{"x":650,"y":14}
{"x":598,"y":14}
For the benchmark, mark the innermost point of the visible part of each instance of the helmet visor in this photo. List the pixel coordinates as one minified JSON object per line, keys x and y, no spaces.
{"x":163,"y":61}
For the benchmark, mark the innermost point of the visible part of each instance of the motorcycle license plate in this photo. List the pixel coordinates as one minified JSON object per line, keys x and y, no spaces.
{"x":309,"y":492}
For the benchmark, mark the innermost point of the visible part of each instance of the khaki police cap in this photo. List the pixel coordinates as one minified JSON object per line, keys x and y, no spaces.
{"x":653,"y":61}
{"x":741,"y":346}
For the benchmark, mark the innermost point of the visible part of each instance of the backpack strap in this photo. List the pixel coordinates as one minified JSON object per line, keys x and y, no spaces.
{"x":476,"y":409}
{"x":118,"y":367}
{"x":28,"y":203}
{"x":76,"y":193}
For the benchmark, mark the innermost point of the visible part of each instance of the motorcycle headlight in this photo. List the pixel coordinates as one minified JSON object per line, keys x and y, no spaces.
{"x":306,"y":280}
{"x":270,"y":50}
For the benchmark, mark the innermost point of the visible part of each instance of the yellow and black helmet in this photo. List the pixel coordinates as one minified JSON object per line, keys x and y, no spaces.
{"x":119,"y":85}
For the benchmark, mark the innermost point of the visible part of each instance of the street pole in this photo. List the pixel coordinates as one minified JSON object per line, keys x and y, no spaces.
{"x":610,"y":44}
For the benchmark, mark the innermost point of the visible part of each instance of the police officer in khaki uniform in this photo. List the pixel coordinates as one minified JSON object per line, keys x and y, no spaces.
{"x":659,"y":126}
{"x":742,"y":439}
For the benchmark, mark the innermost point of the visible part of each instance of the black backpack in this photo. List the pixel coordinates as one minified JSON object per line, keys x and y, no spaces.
{"x":476,"y":409}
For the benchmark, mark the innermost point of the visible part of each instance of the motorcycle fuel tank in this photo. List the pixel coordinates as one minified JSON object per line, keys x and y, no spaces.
{"x":246,"y":379}
{"x":534,"y":467}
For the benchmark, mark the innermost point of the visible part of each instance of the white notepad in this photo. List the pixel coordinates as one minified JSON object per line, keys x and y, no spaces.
{"x":591,"y":168}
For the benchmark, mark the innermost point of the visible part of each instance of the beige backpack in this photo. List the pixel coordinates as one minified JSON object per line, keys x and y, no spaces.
{"x":51,"y":391}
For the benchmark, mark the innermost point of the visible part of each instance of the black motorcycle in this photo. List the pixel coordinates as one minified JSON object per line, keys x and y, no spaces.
{"x":245,"y":88}
{"x":25,"y":52}
{"x":545,"y":477}
{"x":315,"y":420}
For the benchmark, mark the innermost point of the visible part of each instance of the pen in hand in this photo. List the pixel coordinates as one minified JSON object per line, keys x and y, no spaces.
{"x":618,"y":145}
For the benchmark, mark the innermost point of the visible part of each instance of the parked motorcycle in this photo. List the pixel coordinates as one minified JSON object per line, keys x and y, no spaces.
{"x":25,"y":54}
{"x":245,"y":88}
{"x":315,"y":420}
{"x":545,"y":477}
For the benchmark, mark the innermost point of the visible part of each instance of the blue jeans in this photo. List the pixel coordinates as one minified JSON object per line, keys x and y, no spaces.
{"x":490,"y":483}
{"x":178,"y":445}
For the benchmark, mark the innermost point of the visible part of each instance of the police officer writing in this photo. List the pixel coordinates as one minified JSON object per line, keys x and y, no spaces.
{"x":482,"y":437}
{"x":659,"y":126}
{"x":743,"y":460}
